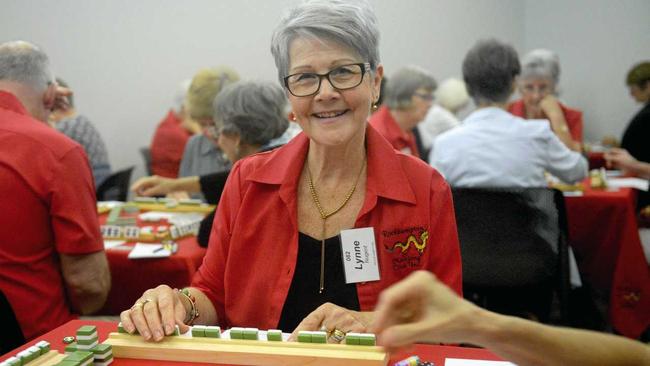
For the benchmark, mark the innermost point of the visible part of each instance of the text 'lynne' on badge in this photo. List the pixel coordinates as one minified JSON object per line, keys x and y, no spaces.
{"x":359,"y":255}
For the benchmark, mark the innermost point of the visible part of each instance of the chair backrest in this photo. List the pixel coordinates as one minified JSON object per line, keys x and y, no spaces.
{"x":11,"y":336}
{"x":508,"y":237}
{"x":146,"y":156}
{"x":116,"y":186}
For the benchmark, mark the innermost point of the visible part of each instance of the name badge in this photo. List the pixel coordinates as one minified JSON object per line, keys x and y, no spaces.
{"x":359,"y":255}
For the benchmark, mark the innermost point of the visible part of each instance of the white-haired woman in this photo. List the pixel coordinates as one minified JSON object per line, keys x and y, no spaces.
{"x":409,"y":95}
{"x":540,"y":74}
{"x":282,"y":232}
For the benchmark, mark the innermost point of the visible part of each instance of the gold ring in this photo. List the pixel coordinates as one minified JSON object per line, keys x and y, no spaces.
{"x":338,"y":335}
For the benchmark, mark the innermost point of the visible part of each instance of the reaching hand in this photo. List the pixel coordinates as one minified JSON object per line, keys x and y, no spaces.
{"x":153,"y":186}
{"x":420,"y":308}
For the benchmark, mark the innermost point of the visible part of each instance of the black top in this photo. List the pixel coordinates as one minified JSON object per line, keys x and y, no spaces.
{"x":303,"y":296}
{"x":636,"y":138}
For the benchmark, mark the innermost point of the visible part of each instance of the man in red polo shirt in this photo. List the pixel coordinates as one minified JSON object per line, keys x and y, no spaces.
{"x":51,"y":252}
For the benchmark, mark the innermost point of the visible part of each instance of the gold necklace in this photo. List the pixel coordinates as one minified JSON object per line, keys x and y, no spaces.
{"x":324,"y":215}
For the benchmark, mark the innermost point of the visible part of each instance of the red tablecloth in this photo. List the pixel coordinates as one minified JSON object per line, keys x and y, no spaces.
{"x":131,"y":277}
{"x":605,"y":238}
{"x":435,"y":354}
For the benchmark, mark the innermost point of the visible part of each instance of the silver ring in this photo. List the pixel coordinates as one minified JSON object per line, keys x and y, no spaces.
{"x":338,"y":335}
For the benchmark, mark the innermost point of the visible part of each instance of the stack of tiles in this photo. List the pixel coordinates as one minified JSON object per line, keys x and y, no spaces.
{"x":251,"y":334}
{"x":206,"y":331}
{"x":86,"y":337}
{"x":78,"y":358}
{"x":28,"y":355}
{"x":102,"y":354}
{"x":306,"y":336}
{"x":362,"y":339}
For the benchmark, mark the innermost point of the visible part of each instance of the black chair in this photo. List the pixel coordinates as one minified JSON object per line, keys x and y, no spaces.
{"x":514,"y":249}
{"x":146,"y":156}
{"x":116,"y":186}
{"x":11,"y":336}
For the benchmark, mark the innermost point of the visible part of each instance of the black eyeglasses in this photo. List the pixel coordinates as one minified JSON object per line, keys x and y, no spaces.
{"x":304,"y":84}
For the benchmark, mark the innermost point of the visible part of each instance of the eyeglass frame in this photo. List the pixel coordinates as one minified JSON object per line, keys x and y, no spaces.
{"x":365,"y":68}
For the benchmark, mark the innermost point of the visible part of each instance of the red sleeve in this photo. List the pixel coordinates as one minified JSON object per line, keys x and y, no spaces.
{"x":445,"y":263}
{"x":574,"y":122}
{"x":73,"y":205}
{"x":210,"y":278}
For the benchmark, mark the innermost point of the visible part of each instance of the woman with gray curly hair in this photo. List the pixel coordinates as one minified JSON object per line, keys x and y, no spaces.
{"x":540,"y":74}
{"x":409,"y":95}
{"x":307,"y":235}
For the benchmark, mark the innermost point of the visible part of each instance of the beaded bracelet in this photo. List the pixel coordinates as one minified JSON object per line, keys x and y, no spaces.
{"x":194,"y":312}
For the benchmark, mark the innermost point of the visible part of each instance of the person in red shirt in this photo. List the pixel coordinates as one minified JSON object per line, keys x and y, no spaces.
{"x":279,"y":242}
{"x":51,"y":252}
{"x":540,"y":73}
{"x":409,"y":95}
{"x":171,"y":135}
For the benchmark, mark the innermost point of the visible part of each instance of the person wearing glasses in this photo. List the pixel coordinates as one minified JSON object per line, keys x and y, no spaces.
{"x":540,"y":74}
{"x":282,"y":232}
{"x":409,"y":95}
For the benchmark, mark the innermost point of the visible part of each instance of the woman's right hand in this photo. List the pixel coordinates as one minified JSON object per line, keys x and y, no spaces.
{"x":153,"y":186}
{"x":156,"y":313}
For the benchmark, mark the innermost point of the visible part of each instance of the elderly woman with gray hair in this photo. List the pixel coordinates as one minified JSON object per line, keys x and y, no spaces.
{"x":409,"y":95}
{"x":493,"y":148}
{"x":250,"y":117}
{"x":306,"y":236}
{"x":540,"y":75}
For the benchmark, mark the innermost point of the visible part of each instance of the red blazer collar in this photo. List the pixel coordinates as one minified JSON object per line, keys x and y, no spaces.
{"x":386,"y":176}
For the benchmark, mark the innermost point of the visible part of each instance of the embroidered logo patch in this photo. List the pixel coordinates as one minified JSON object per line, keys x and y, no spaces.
{"x":406,"y":246}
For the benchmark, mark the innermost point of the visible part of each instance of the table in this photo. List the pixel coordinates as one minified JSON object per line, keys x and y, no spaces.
{"x":436,"y":354}
{"x":604,"y":235}
{"x":131,"y":277}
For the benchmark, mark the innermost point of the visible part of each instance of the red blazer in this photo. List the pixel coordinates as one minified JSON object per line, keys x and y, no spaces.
{"x":573,"y":117}
{"x":253,"y":246}
{"x":168,"y":145}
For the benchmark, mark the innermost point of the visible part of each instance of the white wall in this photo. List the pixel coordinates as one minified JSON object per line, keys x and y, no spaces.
{"x":598,"y":41}
{"x":124,"y":59}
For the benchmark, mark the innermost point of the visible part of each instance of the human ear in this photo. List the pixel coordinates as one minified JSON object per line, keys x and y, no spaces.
{"x":376,"y":87}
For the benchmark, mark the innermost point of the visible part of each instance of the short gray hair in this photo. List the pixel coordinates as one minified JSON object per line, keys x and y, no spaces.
{"x":350,"y":23}
{"x":24,"y":63}
{"x":489,"y":69}
{"x":254,"y":110}
{"x":402,"y":85}
{"x":541,"y":63}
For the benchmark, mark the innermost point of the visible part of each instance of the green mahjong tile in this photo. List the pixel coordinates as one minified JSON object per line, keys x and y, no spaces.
{"x":198,"y":331}
{"x":72,"y":347}
{"x":100,"y":349}
{"x":319,"y":337}
{"x":86,"y":330}
{"x":352,"y":339}
{"x":274,"y":335}
{"x":82,"y":356}
{"x":236,"y":334}
{"x":68,"y":363}
{"x":213,"y":332}
{"x":14,"y":361}
{"x":251,"y":334}
{"x":86,"y":342}
{"x":304,"y":337}
{"x":367,"y":340}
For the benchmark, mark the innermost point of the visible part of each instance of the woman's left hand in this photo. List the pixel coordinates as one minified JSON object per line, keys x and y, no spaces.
{"x":330,"y":317}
